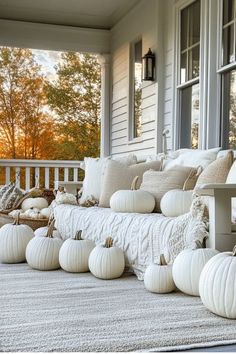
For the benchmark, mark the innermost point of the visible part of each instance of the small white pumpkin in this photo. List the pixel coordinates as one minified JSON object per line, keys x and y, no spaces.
{"x":176,"y":202}
{"x":46,"y":212}
{"x":217,"y":285}
{"x":74,"y":254}
{"x":132,"y":201}
{"x":42,"y":253}
{"x":42,"y":231}
{"x":13,"y":241}
{"x":30,"y":203}
{"x":33,"y":213}
{"x":107,"y":261}
{"x":188,"y":266}
{"x":158,"y":277}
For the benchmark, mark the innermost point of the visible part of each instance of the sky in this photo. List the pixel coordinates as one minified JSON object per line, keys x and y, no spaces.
{"x":47,"y":59}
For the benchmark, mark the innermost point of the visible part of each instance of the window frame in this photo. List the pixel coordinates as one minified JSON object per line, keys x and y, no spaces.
{"x":222,"y":71}
{"x":131,"y":137}
{"x":177,"y":86}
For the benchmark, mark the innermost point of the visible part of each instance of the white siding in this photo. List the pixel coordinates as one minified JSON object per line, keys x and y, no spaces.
{"x":143,"y":23}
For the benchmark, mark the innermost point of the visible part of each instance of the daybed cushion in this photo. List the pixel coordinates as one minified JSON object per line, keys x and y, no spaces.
{"x":159,"y":182}
{"x":141,"y":236}
{"x":118,"y":176}
{"x":217,"y":171}
{"x":94,"y":172}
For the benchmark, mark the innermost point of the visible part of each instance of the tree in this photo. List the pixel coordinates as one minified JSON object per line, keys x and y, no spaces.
{"x":75,"y":98}
{"x":23,"y":122}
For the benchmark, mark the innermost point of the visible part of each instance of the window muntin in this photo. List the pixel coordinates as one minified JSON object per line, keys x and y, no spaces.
{"x":136,"y":86}
{"x":189,"y":88}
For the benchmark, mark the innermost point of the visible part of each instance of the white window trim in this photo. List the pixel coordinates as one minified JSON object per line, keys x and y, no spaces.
{"x":202,"y":73}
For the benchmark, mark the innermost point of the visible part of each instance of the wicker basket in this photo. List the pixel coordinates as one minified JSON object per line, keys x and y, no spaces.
{"x":33,"y":223}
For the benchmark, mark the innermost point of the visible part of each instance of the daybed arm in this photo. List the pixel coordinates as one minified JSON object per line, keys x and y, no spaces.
{"x":222,"y":236}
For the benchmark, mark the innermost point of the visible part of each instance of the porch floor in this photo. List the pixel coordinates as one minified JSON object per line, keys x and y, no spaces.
{"x":59,"y":311}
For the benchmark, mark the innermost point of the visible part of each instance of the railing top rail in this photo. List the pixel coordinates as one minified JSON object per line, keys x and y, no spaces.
{"x":40,"y":163}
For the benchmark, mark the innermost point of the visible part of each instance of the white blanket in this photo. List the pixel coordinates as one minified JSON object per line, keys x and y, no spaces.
{"x":141,"y":236}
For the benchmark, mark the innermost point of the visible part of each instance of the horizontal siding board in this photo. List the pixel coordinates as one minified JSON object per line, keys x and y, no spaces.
{"x":119,"y":126}
{"x":119,"y":103}
{"x":119,"y":134}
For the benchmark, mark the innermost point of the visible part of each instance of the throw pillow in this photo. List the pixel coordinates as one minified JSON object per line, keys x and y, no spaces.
{"x":118,"y":176}
{"x":94,"y":172}
{"x":158,"y":183}
{"x":10,"y":195}
{"x":231,"y":179}
{"x":217,"y":171}
{"x":191,"y":158}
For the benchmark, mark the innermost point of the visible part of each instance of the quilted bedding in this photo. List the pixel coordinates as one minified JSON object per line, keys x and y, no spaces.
{"x":141,"y":236}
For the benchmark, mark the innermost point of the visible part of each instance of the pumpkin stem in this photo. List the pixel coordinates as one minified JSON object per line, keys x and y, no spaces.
{"x":198,"y":244}
{"x":17,"y":219}
{"x":162,"y":260}
{"x":134,"y":183}
{"x":109,"y":242}
{"x":234,"y":251}
{"x":50,"y":229}
{"x":78,"y":235}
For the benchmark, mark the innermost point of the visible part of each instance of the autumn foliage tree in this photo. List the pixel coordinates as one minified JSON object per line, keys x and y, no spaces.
{"x":75,"y":98}
{"x":23,"y":123}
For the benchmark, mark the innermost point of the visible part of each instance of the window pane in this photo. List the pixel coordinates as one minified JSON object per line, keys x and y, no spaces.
{"x":193,"y":63}
{"x":189,"y":117}
{"x":184,"y":28}
{"x":183,"y":69}
{"x":229,"y":108}
{"x":228,"y":11}
{"x":228,"y":45}
{"x":137,"y":88}
{"x":194,"y":23}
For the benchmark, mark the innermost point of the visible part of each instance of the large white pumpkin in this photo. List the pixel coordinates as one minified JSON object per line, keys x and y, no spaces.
{"x":42,"y":253}
{"x":158,"y":277}
{"x":30,"y":203}
{"x":107,"y":261}
{"x":217,"y":284}
{"x":132,"y":201}
{"x":176,"y":202}
{"x":13,"y":241}
{"x":74,"y":254}
{"x":188,"y":266}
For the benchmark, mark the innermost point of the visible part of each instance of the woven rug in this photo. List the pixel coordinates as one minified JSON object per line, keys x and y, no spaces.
{"x":59,"y":311}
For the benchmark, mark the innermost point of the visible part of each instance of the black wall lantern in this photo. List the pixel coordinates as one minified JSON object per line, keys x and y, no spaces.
{"x":148,"y":61}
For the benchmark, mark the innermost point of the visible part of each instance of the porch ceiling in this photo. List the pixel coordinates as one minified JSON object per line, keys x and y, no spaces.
{"x":98,"y":14}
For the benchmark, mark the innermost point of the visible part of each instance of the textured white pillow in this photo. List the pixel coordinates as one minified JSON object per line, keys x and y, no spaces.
{"x":232,"y":179}
{"x":191,"y":158}
{"x":94,"y":172}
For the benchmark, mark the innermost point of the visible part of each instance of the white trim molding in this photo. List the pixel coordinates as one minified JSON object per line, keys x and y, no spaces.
{"x":104,"y":60}
{"x":53,"y":37}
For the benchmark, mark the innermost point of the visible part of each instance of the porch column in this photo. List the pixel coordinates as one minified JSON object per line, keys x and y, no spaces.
{"x":104,"y":60}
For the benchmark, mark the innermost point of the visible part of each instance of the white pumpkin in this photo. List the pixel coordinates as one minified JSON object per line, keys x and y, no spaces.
{"x":74,"y":254}
{"x":107,"y":261}
{"x":217,"y":284}
{"x":42,"y":253}
{"x":188,"y":266}
{"x":46,"y":212}
{"x":158,"y":277}
{"x":132,"y":201}
{"x":38,"y":203}
{"x":176,"y":202}
{"x":13,"y":241}
{"x":33,"y":213}
{"x":42,"y":231}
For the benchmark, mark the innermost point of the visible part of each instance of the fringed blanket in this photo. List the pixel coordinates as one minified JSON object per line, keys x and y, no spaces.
{"x":141,"y":236}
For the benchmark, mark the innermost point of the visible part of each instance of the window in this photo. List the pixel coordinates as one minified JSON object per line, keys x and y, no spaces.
{"x":228,"y":75}
{"x":188,"y":87}
{"x":136,"y":89}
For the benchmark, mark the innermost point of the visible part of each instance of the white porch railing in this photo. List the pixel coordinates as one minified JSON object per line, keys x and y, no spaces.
{"x":30,"y":173}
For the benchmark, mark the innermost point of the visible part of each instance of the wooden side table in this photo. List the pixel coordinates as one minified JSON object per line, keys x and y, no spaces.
{"x":70,"y":186}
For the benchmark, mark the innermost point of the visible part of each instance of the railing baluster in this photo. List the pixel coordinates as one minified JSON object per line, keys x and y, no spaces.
{"x":27,"y":178}
{"x":37,"y":177}
{"x":17,"y":176}
{"x":46,"y":177}
{"x":56,"y":177}
{"x":7,"y":175}
{"x":75,"y":174}
{"x":66,"y":174}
